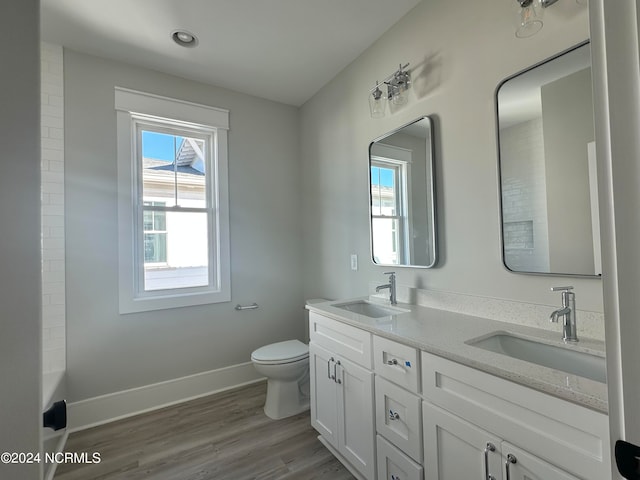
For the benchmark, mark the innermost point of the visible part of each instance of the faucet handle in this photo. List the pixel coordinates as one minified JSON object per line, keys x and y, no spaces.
{"x":561,"y":289}
{"x":389,"y":273}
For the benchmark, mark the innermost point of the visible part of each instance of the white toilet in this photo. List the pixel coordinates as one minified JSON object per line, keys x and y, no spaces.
{"x":286,"y":366}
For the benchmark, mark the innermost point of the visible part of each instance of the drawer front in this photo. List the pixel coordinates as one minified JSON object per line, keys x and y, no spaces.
{"x":397,"y":362}
{"x":344,"y":340}
{"x":395,"y":465}
{"x":399,"y":417}
{"x":553,"y":429}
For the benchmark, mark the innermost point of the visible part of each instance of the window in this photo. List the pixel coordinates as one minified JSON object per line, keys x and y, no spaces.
{"x":173,"y":206}
{"x":389,"y":209}
{"x":155,"y":234}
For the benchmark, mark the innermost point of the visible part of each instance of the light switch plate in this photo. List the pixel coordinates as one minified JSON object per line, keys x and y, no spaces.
{"x":354,"y":261}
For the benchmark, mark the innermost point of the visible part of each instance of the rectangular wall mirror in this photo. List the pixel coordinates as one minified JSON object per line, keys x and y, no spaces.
{"x":548,"y":183}
{"x":402,"y":204}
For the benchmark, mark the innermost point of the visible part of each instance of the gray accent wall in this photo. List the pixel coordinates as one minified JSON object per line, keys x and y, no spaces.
{"x":20,"y":317}
{"x":458,"y":57}
{"x":108,"y":352}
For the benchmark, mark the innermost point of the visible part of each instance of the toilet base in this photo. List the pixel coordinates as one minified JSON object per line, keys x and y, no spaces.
{"x":284,"y":399}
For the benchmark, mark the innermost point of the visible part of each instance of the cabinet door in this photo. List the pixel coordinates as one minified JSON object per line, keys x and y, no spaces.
{"x":524,"y":466}
{"x":455,"y":449}
{"x":323,"y":402}
{"x":355,"y":405}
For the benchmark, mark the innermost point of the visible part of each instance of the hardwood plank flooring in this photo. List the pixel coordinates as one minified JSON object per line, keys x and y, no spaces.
{"x":222,"y":436}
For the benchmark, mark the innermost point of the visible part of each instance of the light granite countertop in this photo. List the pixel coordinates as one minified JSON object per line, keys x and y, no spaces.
{"x":444,"y":333}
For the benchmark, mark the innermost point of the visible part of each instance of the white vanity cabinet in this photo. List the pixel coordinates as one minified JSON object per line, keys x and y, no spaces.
{"x":398,"y":410}
{"x":389,"y":411}
{"x":466,"y":409}
{"x":342,"y":392}
{"x":457,"y":449}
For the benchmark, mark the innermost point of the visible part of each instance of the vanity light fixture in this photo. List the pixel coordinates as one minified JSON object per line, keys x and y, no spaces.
{"x":530,"y":13}
{"x":184,"y":38}
{"x":392,"y":89}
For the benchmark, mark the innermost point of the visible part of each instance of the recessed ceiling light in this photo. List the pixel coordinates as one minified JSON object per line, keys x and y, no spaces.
{"x":184,"y":38}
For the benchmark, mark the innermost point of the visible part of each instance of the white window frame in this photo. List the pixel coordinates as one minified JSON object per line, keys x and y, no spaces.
{"x":399,"y":159}
{"x":131,"y":107}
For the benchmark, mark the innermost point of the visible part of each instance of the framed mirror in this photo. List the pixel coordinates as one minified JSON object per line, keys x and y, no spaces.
{"x":401,"y":193}
{"x":547,"y":168}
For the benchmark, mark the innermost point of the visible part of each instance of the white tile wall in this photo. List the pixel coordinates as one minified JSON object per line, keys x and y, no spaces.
{"x":524,"y":201}
{"x":52,"y":191}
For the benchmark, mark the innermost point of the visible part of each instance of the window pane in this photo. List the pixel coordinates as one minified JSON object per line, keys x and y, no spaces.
{"x":155,"y":247}
{"x":190,"y":176}
{"x":384,"y":191}
{"x":160,"y":221}
{"x":173,"y":169}
{"x":186,"y":254}
{"x":385,"y":248}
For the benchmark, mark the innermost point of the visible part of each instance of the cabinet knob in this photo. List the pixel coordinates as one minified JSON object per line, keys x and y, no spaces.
{"x":393,"y":415}
{"x":511,"y":459}
{"x":488,"y":449}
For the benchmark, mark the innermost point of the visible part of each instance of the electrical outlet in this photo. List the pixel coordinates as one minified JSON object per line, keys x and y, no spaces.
{"x":354,"y":261}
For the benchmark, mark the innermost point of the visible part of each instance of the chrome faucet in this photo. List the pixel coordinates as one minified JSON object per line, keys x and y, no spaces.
{"x":391,"y":286}
{"x":568,"y":312}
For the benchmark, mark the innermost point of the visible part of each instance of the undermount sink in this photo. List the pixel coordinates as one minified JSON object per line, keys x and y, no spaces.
{"x":575,"y":362}
{"x":369,"y":309}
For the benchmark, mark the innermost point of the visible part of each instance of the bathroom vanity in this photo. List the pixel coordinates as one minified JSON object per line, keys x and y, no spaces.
{"x":409,"y":392}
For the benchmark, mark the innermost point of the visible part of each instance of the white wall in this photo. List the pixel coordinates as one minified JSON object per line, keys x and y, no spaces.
{"x":108,"y":352}
{"x":567,"y":170}
{"x":458,"y":56}
{"x":52,"y":148}
{"x":21,"y":326}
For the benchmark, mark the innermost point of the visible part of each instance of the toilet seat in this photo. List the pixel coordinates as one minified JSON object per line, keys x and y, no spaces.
{"x":282,"y":352}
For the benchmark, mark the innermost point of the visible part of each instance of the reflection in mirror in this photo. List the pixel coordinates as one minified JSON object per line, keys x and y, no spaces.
{"x":402,"y":210}
{"x":548,"y":184}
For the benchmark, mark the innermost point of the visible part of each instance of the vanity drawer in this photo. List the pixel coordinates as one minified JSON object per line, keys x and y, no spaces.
{"x":395,"y":465}
{"x":344,"y":340}
{"x":397,"y":362}
{"x":398,"y":417}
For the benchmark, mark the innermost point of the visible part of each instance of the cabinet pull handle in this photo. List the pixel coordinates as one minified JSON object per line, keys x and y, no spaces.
{"x":488,"y":449}
{"x":392,"y":362}
{"x":395,"y":477}
{"x":329,"y":369}
{"x":511,"y":459}
{"x":335,"y":372}
{"x":393,"y":415}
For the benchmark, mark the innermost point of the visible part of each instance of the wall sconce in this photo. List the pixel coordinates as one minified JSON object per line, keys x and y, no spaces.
{"x":393,"y":89}
{"x":530,"y":13}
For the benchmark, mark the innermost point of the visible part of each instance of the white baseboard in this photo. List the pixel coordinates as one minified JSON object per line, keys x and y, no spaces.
{"x":114,"y":406}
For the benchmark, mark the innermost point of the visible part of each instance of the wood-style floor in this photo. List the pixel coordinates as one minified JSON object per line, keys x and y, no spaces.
{"x":223,"y":436}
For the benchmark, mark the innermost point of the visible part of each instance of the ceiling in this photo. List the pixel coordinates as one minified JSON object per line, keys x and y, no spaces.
{"x":282,"y":50}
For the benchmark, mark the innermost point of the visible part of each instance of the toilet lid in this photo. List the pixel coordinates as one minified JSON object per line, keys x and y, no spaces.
{"x":281,"y":352}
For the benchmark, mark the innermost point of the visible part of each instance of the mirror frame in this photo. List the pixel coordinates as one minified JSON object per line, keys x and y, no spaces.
{"x":499,"y":178}
{"x":431,"y":192}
